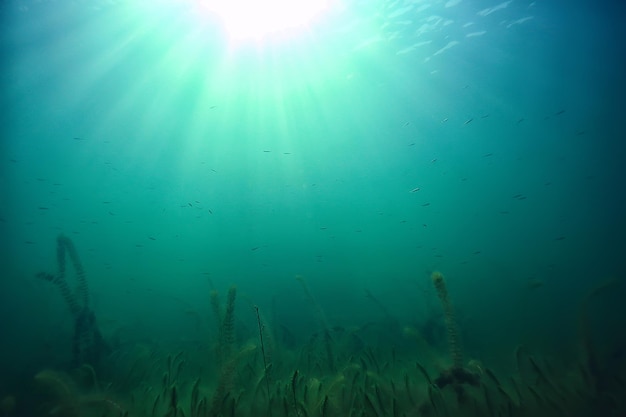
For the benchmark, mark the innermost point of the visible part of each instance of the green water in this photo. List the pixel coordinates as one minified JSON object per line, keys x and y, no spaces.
{"x":326,"y":176}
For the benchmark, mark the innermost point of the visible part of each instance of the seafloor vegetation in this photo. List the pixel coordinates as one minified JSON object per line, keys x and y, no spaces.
{"x":336,"y":372}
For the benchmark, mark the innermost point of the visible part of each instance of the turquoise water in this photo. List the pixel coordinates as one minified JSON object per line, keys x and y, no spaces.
{"x":326,"y":177}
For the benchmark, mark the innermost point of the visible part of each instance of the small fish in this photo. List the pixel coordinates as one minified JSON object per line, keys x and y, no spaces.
{"x":42,"y":208}
{"x":560,"y":238}
{"x":255,"y":248}
{"x":267,"y":151}
{"x":560,"y":112}
{"x":468,"y":121}
{"x":425,"y":204}
{"x":445,"y":119}
{"x":519,"y":121}
{"x":432,"y":161}
{"x":151,"y":238}
{"x":406,"y":124}
{"x":210,"y":212}
{"x":487,"y":155}
{"x":414,"y":190}
{"x":484,"y":116}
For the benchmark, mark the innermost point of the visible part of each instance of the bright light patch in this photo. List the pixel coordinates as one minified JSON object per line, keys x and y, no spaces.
{"x":254,"y":19}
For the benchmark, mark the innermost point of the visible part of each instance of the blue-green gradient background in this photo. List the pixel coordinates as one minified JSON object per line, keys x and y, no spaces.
{"x":178,"y":163}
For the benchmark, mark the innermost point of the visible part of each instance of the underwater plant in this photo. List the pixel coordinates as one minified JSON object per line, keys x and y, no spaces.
{"x":88,"y":345}
{"x":457,"y":375}
{"x":334,"y":371}
{"x":265,"y":368}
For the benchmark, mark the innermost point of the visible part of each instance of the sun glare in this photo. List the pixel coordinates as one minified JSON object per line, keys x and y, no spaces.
{"x":255,"y":19}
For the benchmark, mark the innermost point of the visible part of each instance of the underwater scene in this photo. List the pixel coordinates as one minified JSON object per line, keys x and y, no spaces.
{"x":331,"y":208}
